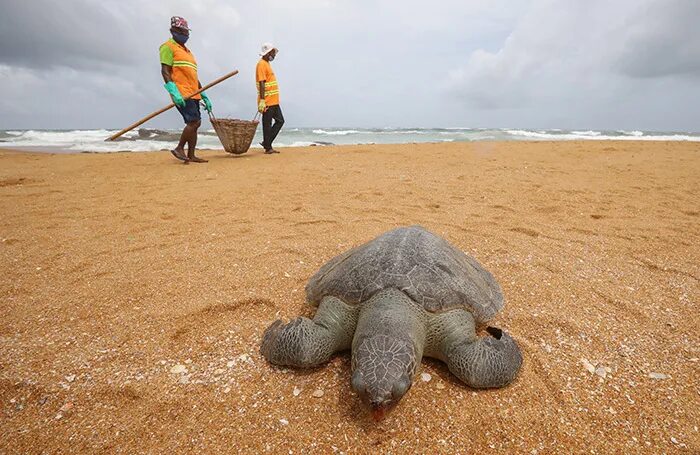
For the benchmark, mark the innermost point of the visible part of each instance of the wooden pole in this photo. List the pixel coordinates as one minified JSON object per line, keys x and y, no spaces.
{"x":160,"y":111}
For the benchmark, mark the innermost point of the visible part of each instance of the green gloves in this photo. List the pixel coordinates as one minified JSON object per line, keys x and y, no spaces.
{"x":177,"y":97}
{"x":175,"y":93}
{"x":207,"y":103}
{"x":261,"y":106}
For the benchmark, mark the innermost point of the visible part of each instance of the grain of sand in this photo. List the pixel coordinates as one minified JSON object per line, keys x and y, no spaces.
{"x":135,"y":291}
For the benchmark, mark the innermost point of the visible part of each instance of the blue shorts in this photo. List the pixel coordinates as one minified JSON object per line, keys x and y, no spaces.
{"x":190,"y":113}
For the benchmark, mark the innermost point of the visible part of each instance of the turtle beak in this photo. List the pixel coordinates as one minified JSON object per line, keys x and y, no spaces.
{"x":379,"y":411}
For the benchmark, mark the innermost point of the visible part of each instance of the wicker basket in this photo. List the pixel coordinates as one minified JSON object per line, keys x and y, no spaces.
{"x":235,"y":135}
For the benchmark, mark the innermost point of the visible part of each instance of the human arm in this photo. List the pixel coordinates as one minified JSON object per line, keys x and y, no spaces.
{"x":170,"y":86}
{"x":261,"y":104}
{"x":166,"y":70}
{"x":261,"y":76}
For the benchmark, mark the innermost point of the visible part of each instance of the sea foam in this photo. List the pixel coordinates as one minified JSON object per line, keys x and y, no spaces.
{"x":146,"y":139}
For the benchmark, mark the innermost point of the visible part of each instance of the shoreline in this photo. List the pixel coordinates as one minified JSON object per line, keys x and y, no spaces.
{"x":138,"y":289}
{"x":59,"y":150}
{"x":146,"y":139}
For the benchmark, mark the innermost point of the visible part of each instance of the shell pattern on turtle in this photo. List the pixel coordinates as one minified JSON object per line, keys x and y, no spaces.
{"x":427,"y":268}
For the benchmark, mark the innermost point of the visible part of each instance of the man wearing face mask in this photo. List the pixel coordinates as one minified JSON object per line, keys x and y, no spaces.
{"x":268,"y":97}
{"x":179,"y":70}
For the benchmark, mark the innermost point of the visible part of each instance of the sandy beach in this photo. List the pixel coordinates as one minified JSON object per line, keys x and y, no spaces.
{"x":135,"y":291}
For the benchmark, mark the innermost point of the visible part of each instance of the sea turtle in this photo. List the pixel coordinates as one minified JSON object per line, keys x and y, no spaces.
{"x":404,"y":295}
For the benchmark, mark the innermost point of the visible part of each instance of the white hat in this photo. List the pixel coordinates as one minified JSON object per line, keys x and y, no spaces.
{"x":267,"y":48}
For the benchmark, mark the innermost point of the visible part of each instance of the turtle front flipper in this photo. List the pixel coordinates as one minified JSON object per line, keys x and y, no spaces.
{"x":305,"y":343}
{"x":480,"y":362}
{"x":490,"y":361}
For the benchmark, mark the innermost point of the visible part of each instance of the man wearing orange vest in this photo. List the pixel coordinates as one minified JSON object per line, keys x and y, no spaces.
{"x":179,"y":70}
{"x":268,"y":97}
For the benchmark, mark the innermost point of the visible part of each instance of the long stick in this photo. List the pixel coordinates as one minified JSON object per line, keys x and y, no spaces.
{"x":160,"y":111}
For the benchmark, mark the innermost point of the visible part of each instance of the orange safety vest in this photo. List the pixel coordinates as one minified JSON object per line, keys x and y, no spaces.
{"x":184,"y":67}
{"x":263,"y":72}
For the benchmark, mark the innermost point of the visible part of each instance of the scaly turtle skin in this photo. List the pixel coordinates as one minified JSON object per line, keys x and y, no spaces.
{"x":404,"y":295}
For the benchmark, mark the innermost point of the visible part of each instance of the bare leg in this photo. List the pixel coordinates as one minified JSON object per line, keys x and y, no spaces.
{"x":185,"y":138}
{"x":190,"y":136}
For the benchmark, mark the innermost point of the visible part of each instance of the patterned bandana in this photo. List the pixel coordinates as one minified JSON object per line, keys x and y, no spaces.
{"x":178,"y":22}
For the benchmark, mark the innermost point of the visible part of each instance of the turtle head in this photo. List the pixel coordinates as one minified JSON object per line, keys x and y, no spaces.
{"x":382,"y":370}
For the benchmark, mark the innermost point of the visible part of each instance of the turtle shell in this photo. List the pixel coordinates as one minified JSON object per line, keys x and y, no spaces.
{"x":424,"y":266}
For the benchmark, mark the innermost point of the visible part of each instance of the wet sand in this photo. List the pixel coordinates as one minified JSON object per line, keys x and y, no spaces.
{"x":135,"y":291}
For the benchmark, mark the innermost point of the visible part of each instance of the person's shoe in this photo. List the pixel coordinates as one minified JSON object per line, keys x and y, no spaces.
{"x":270,"y":152}
{"x":274,"y":151}
{"x":196,"y":159}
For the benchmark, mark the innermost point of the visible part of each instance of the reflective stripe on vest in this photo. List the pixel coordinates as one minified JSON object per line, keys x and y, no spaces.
{"x":183,"y":63}
{"x":271,"y":88}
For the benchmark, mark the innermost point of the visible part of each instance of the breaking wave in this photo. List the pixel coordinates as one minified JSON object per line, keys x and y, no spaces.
{"x":146,"y":139}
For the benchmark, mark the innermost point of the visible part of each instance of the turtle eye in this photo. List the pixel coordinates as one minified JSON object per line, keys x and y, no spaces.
{"x":400,"y":388}
{"x":358,"y":383}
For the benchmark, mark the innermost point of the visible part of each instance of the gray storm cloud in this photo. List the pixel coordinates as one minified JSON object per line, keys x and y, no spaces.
{"x":631,"y":64}
{"x":569,"y":64}
{"x":79,"y":34}
{"x":662,"y":39}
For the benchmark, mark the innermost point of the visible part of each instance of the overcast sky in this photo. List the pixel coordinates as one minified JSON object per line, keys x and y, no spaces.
{"x":573,"y":64}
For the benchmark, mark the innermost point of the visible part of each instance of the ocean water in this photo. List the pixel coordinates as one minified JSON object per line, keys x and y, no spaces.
{"x":151,"y":139}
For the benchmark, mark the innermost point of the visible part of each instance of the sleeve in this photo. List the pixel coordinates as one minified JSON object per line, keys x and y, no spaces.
{"x":166,"y":55}
{"x":260,"y":72}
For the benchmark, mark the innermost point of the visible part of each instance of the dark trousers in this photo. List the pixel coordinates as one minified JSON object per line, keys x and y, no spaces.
{"x":269,"y":130}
